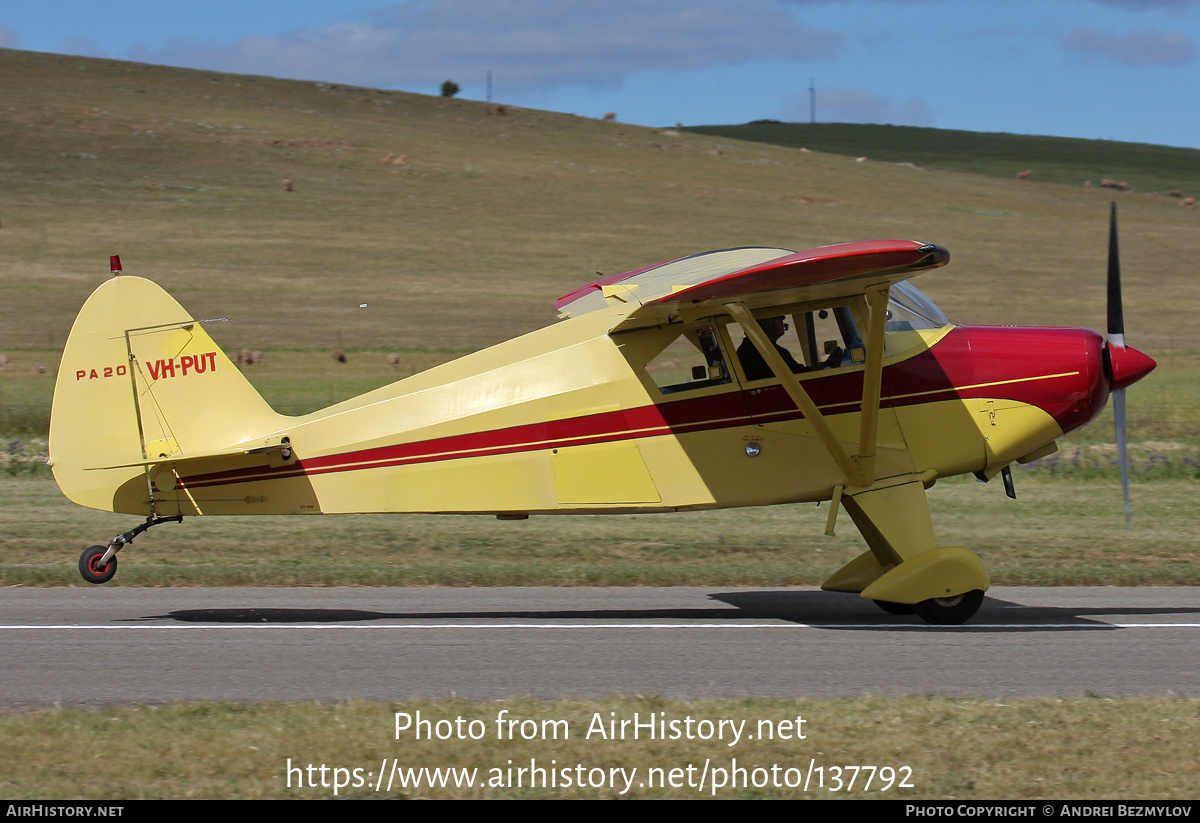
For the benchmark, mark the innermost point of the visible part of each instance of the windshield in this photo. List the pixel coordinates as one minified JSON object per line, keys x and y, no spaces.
{"x":909,"y":309}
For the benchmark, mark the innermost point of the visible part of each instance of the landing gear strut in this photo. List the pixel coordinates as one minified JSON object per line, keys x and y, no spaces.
{"x":98,"y":564}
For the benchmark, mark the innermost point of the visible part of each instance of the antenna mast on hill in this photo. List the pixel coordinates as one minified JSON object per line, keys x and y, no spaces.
{"x":812,"y":100}
{"x":489,"y":99}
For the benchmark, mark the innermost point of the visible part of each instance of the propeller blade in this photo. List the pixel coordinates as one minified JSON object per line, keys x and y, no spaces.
{"x":1116,"y":345}
{"x":1118,"y":397}
{"x":1116,"y":314}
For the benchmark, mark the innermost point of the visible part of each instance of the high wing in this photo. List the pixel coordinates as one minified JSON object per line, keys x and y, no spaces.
{"x":737,"y":282}
{"x":755,"y":277}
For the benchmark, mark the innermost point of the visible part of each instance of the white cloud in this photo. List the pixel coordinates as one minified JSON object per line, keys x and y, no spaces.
{"x":1138,"y":48}
{"x":532,"y":44}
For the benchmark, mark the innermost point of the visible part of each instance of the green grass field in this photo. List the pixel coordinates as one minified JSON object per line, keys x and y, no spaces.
{"x":1064,"y":160}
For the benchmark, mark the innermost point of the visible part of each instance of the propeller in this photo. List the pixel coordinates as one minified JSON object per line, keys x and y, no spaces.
{"x":1116,"y":342}
{"x":1123,"y":366}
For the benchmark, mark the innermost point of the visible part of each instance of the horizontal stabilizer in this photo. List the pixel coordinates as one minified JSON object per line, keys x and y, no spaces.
{"x":283,"y":449}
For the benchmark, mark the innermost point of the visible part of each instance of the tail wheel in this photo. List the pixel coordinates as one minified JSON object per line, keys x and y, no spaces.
{"x":950,"y":611}
{"x":93,"y":569}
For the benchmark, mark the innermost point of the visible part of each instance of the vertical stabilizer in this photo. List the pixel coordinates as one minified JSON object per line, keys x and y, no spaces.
{"x":141,"y":380}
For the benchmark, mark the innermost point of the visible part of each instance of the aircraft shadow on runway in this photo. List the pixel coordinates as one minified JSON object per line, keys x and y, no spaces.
{"x":821,"y":610}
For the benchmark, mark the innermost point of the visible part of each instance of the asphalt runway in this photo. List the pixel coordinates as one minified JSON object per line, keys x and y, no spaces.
{"x":95,"y":646}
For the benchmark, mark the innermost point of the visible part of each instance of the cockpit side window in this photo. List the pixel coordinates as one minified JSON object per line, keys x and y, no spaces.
{"x":831,"y":329}
{"x":693,"y":360}
{"x":807,"y":340}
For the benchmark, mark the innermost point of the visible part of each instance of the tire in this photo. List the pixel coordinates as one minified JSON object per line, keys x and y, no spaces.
{"x":895,"y":608}
{"x":90,"y":568}
{"x":950,"y":611}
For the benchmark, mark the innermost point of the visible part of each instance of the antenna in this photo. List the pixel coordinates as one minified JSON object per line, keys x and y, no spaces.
{"x":812,"y":100}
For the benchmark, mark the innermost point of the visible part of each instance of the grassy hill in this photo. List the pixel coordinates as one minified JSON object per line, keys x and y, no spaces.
{"x":469,"y":241}
{"x":492,"y":217}
{"x":488,"y":218}
{"x":1063,"y":160}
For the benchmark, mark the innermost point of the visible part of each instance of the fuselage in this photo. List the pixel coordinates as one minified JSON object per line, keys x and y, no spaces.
{"x":668,"y":388}
{"x":568,"y":419}
{"x":626,"y":406}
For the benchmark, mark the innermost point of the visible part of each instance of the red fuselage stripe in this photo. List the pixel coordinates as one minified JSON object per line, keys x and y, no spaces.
{"x":1060,"y":384}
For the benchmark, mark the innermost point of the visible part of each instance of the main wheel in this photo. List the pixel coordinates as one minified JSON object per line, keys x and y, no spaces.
{"x":950,"y":611}
{"x":92,"y":569}
{"x":895,"y":608}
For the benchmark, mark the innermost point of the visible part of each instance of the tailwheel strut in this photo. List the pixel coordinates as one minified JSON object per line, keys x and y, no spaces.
{"x":98,"y":564}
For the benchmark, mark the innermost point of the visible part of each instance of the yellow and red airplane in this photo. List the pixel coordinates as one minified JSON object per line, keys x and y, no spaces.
{"x":668,"y":388}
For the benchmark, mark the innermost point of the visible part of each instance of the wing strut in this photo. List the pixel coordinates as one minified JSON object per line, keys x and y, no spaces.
{"x":795,"y":390}
{"x":877,"y":302}
{"x":858,"y":469}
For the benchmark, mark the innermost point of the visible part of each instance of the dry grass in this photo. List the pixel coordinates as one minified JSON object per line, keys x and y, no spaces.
{"x":1056,"y":533}
{"x":1079,"y":749}
{"x":179,"y":171}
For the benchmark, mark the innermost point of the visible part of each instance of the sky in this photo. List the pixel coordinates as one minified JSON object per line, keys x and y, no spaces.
{"x":1103,"y":69}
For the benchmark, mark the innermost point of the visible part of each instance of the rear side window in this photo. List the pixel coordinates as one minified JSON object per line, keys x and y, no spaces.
{"x":693,"y":360}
